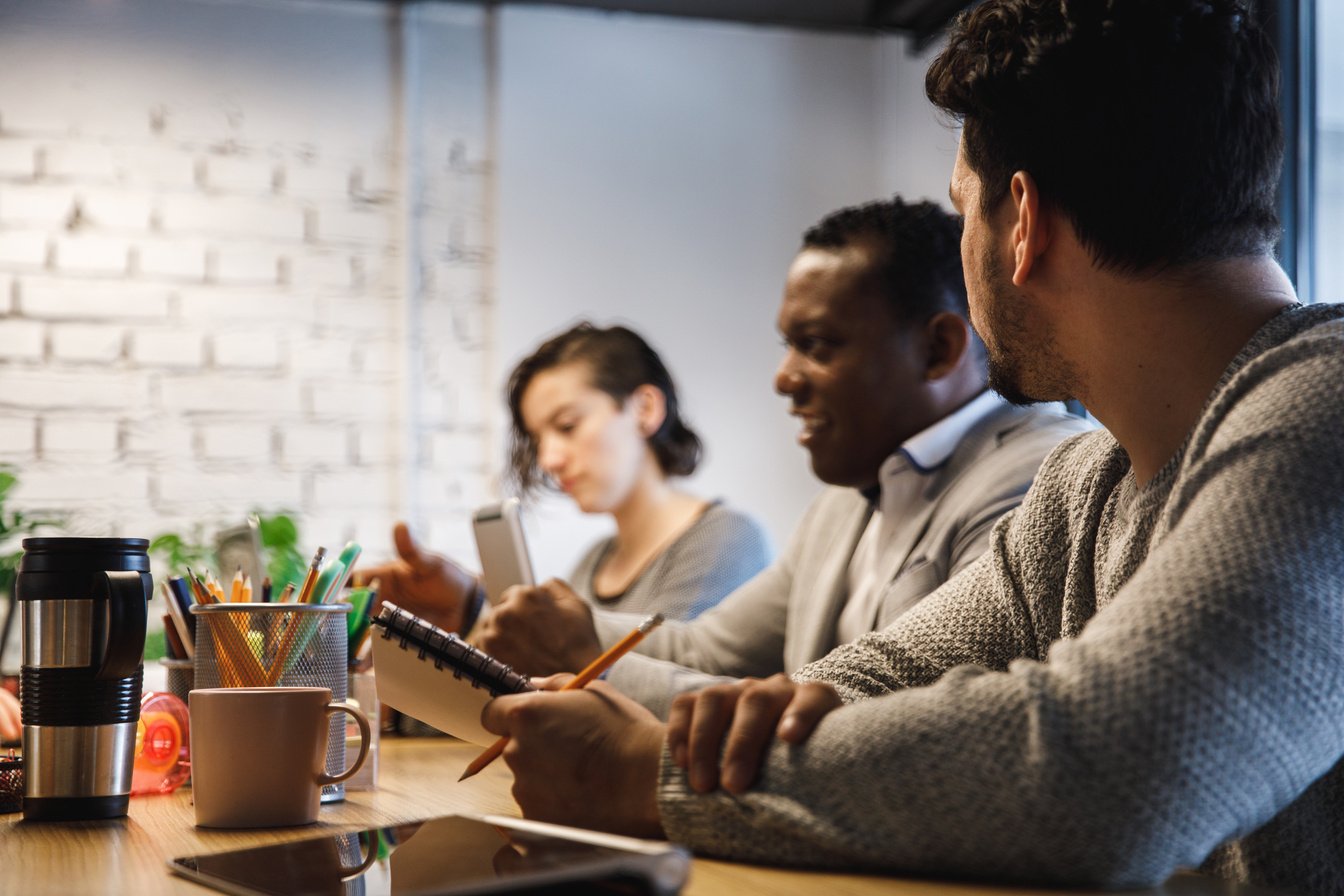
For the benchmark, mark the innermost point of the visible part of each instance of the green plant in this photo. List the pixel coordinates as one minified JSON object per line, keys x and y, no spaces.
{"x":280,"y":544}
{"x":279,"y":548}
{"x":13,"y":525}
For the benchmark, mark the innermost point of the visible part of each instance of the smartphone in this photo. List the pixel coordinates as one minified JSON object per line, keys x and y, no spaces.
{"x":499,"y":539}
{"x":448,"y":855}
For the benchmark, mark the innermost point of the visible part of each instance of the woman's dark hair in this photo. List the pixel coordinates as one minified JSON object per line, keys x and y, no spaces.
{"x":619,"y":361}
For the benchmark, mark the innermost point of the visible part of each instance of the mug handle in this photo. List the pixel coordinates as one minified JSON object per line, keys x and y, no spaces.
{"x":365,"y":735}
{"x":367,"y":863}
{"x":127,"y":593}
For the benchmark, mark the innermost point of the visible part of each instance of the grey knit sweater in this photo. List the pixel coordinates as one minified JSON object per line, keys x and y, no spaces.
{"x":1131,"y":681}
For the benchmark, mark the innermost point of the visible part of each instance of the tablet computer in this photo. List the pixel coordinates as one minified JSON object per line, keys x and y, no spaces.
{"x":449,"y":856}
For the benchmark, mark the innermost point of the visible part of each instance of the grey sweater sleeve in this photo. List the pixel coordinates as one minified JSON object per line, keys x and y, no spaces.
{"x":1199,"y":704}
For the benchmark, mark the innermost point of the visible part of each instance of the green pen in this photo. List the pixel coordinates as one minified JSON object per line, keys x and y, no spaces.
{"x":332,"y":579}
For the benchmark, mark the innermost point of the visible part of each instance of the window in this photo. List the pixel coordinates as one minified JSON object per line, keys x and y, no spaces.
{"x":1327,"y":209}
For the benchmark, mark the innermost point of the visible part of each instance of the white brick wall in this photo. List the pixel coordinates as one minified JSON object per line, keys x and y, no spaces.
{"x":21,"y":340}
{"x":201,"y":277}
{"x":78,"y":436}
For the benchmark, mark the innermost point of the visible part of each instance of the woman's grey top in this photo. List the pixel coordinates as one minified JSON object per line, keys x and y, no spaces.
{"x":720,"y":550}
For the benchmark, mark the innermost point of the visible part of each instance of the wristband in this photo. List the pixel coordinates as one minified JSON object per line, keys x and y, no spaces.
{"x":474,"y":604}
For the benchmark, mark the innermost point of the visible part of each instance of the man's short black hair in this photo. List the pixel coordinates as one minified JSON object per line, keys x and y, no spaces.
{"x":1152,"y":124}
{"x":916,"y":251}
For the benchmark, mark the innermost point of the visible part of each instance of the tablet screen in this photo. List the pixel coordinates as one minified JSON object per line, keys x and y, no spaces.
{"x":450,"y":855}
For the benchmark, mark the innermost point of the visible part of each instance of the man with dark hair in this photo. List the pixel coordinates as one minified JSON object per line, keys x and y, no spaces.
{"x":883,"y":371}
{"x":1146,"y":670}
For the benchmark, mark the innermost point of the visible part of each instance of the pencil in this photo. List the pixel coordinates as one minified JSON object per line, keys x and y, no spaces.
{"x":310,"y":580}
{"x":591,"y":671}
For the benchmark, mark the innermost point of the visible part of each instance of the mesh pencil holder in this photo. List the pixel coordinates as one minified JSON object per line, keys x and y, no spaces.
{"x":180,"y":676}
{"x":248,"y":645}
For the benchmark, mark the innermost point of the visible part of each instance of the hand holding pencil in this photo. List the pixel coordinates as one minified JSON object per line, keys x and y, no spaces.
{"x":591,"y":671}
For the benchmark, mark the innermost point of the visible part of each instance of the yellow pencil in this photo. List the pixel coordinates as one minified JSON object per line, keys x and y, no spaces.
{"x":310,"y":580}
{"x":591,"y":671}
{"x":236,"y":589}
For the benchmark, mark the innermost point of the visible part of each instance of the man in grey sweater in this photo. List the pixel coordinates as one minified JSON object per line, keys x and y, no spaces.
{"x":1146,"y":670}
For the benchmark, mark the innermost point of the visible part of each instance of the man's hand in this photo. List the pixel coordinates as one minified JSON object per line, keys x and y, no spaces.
{"x":540,"y":630}
{"x":587,"y":757}
{"x":428,"y":585}
{"x":750,"y":712}
{"x":11,"y":727}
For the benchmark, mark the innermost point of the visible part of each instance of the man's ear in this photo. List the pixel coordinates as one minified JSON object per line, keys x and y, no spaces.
{"x":1030,"y":229}
{"x":947,"y":337}
{"x":650,"y":406}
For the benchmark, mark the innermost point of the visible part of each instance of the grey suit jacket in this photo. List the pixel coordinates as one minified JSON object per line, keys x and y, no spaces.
{"x":786,"y":616}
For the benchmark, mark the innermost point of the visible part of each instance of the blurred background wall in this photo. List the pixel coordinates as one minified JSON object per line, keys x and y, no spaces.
{"x":280,"y":254}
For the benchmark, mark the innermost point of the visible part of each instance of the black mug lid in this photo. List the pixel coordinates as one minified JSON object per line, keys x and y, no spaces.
{"x":73,"y":554}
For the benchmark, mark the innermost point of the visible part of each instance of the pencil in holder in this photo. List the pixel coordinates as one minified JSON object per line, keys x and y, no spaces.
{"x":248,"y":645}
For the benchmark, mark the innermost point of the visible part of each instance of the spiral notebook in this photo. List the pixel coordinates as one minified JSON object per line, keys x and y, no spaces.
{"x":435,"y":676}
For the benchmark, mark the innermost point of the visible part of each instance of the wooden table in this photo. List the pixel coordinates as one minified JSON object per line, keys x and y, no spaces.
{"x":417,"y":779}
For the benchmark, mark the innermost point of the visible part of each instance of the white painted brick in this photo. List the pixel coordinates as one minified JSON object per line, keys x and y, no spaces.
{"x":17,"y":157}
{"x":210,"y":305}
{"x":82,"y":161}
{"x":462,"y":449}
{"x":240,"y":173}
{"x":249,"y":442}
{"x":459,"y":281}
{"x":334,"y":354}
{"x":22,"y":340}
{"x":250,"y":350}
{"x":78,"y":436}
{"x":8,"y":296}
{"x":180,"y":259}
{"x":455,"y":364}
{"x":18,"y":437}
{"x":70,"y":486}
{"x":373,"y":531}
{"x":373,"y":318}
{"x":377,"y":446}
{"x":366,"y":225}
{"x":309,"y":270}
{"x":315,"y":443}
{"x":379,"y":272}
{"x":87,"y":342}
{"x":330,"y":529}
{"x":237,"y":491}
{"x":229,"y":393}
{"x":352,"y":489}
{"x":317,"y":180}
{"x":336,"y":400}
{"x":376,"y":180}
{"x":176,"y":348}
{"x":159,"y":439}
{"x":27,"y":248}
{"x":116,"y":209}
{"x":381,"y":358}
{"x":54,"y":298}
{"x":245,"y":217}
{"x":435,"y":405}
{"x":161,"y":167}
{"x":92,"y":389}
{"x":43,"y":206}
{"x":237,"y":264}
{"x":92,"y":254}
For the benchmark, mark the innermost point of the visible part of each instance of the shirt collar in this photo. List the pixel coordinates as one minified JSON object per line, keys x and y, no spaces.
{"x":930,"y":448}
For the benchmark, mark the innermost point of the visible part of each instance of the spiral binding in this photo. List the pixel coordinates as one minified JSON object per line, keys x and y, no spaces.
{"x":447,"y":649}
